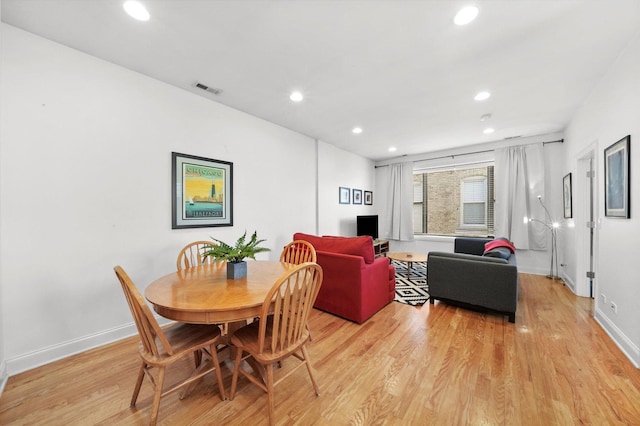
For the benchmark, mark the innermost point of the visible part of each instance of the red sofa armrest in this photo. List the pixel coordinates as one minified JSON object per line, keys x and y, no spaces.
{"x":379,"y":286}
{"x":353,"y":289}
{"x":340,"y":289}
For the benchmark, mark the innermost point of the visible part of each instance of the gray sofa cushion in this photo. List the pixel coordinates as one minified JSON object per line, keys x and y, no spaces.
{"x":470,"y":257}
{"x":501,"y":252}
{"x":470,"y":245}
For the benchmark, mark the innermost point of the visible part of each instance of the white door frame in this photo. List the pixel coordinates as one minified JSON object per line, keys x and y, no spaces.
{"x":583,"y":201}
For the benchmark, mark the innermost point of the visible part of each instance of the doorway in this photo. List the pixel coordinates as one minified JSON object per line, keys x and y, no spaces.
{"x":586,"y":223}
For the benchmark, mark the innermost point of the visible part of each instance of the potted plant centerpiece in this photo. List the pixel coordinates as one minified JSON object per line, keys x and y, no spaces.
{"x":235,"y":255}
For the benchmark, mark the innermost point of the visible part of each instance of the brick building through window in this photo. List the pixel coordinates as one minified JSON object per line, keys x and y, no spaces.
{"x":456,"y":201}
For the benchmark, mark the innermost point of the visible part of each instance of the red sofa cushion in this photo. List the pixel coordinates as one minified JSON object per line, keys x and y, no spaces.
{"x":355,"y":246}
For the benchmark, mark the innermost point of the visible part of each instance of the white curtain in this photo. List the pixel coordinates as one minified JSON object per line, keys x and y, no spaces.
{"x":519,"y":181}
{"x":400,"y":199}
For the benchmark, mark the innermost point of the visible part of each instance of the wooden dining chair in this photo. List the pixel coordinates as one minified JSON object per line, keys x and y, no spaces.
{"x":280,"y":332}
{"x":297,"y":252}
{"x":193,"y":254}
{"x":160,"y":348}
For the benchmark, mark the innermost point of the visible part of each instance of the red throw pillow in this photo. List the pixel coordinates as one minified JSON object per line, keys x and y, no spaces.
{"x":499,"y":243}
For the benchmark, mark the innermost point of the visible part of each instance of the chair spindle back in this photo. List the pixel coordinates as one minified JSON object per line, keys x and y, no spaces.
{"x":193,"y":255}
{"x":298,"y":252}
{"x":290,"y":301}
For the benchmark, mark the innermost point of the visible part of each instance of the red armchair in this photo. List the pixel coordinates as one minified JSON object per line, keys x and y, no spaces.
{"x":356,"y":285}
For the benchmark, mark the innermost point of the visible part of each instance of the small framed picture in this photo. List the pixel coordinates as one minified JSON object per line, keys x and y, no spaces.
{"x":357,"y":196}
{"x":566,"y":196}
{"x":616,"y":179}
{"x":368,"y":198}
{"x":344,"y":195}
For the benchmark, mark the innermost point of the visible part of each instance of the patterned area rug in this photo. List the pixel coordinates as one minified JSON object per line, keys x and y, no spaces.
{"x":413,"y":292}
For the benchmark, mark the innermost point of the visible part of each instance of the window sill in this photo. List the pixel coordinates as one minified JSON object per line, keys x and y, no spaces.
{"x":434,"y":238}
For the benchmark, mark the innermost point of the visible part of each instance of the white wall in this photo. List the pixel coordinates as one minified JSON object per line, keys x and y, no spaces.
{"x":535,"y":262}
{"x":85,"y":185}
{"x":3,"y":364}
{"x":610,"y":113}
{"x":340,"y":168}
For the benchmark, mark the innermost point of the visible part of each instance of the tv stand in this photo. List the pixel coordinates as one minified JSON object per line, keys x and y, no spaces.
{"x":381,"y":247}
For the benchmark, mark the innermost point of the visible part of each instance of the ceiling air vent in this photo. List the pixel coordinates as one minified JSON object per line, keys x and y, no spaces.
{"x":208,"y":89}
{"x":513,"y":137}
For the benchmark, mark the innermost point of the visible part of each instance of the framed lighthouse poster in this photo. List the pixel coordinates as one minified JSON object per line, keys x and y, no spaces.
{"x":202,"y":192}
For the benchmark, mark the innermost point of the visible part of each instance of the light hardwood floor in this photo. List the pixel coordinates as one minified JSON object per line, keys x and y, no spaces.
{"x":427,"y":365}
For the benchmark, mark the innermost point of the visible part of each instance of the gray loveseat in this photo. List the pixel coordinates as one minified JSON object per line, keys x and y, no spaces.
{"x":466,"y":277}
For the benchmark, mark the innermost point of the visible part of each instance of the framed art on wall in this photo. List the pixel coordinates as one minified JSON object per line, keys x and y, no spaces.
{"x":202,"y":192}
{"x":566,"y":196}
{"x":616,"y":179}
{"x":368,"y":198}
{"x":344,"y":195}
{"x":357,"y":196}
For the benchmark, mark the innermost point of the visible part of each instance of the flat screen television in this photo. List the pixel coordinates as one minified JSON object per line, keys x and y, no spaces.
{"x":367,"y":225}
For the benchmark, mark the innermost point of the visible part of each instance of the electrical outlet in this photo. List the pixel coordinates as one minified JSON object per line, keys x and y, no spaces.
{"x":614,"y":307}
{"x":604,"y":298}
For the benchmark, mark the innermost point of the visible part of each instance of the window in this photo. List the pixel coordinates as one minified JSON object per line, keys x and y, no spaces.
{"x":474,"y":201}
{"x":454,"y":201}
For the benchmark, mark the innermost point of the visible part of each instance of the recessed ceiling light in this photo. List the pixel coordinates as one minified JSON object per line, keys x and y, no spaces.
{"x":136,"y":10}
{"x":481,"y":96}
{"x":357,"y":130}
{"x":488,"y":130}
{"x":296,"y":96}
{"x":465,"y":15}
{"x":392,"y":149}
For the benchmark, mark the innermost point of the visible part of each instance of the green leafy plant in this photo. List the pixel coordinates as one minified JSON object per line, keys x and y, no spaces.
{"x":238,"y":252}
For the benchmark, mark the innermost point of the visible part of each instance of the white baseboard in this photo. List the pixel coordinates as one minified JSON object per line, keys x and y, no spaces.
{"x":630,"y":350}
{"x":568,"y":282}
{"x":533,"y":271}
{"x":546,"y":274}
{"x":62,"y":350}
{"x":3,"y":377}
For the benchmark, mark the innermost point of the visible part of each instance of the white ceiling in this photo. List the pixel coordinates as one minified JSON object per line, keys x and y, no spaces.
{"x":399,"y":69}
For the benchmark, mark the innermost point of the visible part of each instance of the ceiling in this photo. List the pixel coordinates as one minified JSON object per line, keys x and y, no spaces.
{"x":399,"y":69}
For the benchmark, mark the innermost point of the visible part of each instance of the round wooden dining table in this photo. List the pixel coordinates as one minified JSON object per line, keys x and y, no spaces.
{"x":204,"y":295}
